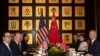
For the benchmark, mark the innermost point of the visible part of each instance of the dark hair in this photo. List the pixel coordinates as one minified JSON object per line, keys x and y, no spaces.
{"x":83,"y":36}
{"x":76,"y":34}
{"x":5,"y":33}
{"x":24,"y":35}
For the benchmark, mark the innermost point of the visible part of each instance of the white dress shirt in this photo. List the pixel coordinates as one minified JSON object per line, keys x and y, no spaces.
{"x":93,"y":40}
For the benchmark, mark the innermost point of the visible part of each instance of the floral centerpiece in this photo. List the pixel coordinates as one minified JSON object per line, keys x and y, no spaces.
{"x":55,"y":50}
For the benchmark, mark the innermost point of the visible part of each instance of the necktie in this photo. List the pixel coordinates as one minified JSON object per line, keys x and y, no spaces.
{"x":19,"y":45}
{"x":10,"y":50}
{"x":91,"y":43}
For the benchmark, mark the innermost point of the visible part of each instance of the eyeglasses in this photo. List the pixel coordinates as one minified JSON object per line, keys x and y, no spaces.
{"x":7,"y":36}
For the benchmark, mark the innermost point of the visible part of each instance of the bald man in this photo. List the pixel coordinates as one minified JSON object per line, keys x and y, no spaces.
{"x":94,"y":44}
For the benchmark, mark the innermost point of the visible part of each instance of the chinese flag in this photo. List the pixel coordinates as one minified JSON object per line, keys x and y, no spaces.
{"x":54,"y":35}
{"x":63,"y":44}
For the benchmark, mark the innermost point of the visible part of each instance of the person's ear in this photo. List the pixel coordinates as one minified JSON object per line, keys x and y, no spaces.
{"x":3,"y":38}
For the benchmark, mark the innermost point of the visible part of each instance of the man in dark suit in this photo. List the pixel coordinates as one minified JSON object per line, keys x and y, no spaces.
{"x":94,"y":44}
{"x":76,"y":41}
{"x":5,"y":49}
{"x":16,"y":45}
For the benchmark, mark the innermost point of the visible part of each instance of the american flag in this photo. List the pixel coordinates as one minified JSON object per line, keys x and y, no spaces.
{"x":45,"y":44}
{"x":42,"y":31}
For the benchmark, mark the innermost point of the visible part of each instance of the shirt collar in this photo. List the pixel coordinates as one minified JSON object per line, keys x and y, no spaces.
{"x":17,"y":42}
{"x":93,"y":40}
{"x":5,"y":43}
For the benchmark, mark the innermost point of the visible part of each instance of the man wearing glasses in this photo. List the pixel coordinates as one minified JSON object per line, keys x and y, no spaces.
{"x":5,"y":49}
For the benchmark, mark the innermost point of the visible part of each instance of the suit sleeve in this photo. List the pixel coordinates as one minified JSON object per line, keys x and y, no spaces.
{"x":97,"y":49}
{"x":1,"y":53}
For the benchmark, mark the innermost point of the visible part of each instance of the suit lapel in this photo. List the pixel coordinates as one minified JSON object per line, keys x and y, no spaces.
{"x":93,"y":44}
{"x":6,"y":48}
{"x":17,"y":46}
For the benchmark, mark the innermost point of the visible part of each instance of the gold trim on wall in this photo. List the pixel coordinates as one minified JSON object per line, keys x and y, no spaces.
{"x":66,"y":1}
{"x":68,"y":37}
{"x":27,"y":1}
{"x":13,"y":25}
{"x":37,"y":24}
{"x":30,"y":38}
{"x":79,"y":1}
{"x":40,"y":9}
{"x":40,"y":1}
{"x":13,"y":11}
{"x":26,"y":24}
{"x":53,"y":9}
{"x":27,"y":11}
{"x":53,"y":1}
{"x":66,"y":11}
{"x":79,"y":24}
{"x":13,"y":1}
{"x":79,"y":11}
{"x":66,"y":24}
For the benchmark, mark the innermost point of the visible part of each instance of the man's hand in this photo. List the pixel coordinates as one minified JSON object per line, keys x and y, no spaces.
{"x":24,"y":53}
{"x":88,"y":55}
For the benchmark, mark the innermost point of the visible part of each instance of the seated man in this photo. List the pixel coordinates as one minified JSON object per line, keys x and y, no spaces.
{"x":94,"y":44}
{"x":76,"y":42}
{"x":5,"y":48}
{"x":16,"y":45}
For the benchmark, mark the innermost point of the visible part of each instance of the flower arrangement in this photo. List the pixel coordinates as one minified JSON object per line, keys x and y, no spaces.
{"x":55,"y":50}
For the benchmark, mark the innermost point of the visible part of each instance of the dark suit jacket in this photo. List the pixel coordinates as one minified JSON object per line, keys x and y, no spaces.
{"x":75,"y":45}
{"x":4,"y":51}
{"x":15,"y":49}
{"x":24,"y":46}
{"x":94,"y":49}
